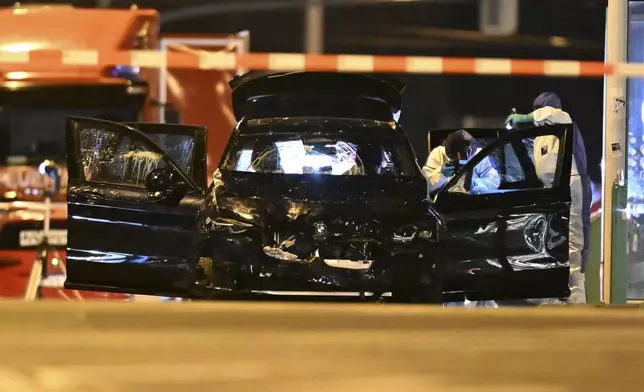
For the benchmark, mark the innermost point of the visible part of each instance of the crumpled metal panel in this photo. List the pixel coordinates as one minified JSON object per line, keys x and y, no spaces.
{"x":298,"y":232}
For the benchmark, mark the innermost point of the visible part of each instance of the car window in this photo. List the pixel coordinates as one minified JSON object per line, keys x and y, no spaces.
{"x":325,"y":154}
{"x":520,"y":163}
{"x":116,"y":158}
{"x":180,"y":148}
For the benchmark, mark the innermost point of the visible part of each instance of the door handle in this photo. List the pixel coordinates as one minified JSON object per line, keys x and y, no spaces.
{"x":90,"y":197}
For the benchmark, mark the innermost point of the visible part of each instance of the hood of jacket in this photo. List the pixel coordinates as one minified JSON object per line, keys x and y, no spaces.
{"x":547,"y":99}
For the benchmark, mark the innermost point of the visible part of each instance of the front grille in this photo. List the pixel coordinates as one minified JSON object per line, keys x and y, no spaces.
{"x":357,"y":250}
{"x":28,"y":234}
{"x":336,"y":247}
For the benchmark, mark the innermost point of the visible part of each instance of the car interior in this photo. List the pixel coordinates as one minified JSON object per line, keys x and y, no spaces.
{"x":513,"y":161}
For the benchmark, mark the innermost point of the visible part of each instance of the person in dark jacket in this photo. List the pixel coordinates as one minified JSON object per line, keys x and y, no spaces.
{"x":547,"y":111}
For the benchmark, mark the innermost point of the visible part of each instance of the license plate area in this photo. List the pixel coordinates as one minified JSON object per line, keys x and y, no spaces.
{"x":32,"y":238}
{"x":359,"y":265}
{"x":335,"y":251}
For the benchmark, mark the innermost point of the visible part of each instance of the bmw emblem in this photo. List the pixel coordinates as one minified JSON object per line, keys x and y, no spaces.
{"x":320,"y":228}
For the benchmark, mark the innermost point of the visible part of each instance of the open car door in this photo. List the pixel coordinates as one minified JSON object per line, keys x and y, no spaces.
{"x":133,"y":196}
{"x":510,"y":242}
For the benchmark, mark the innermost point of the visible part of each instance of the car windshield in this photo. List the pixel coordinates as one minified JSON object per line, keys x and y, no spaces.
{"x":320,"y":150}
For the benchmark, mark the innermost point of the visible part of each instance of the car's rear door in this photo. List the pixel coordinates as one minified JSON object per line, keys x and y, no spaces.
{"x":510,"y":242}
{"x":120,"y":239}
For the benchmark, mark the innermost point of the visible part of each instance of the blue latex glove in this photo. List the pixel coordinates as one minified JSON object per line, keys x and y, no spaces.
{"x":516,"y":118}
{"x":477,"y":190}
{"x":478,"y":187}
{"x":448,"y":170}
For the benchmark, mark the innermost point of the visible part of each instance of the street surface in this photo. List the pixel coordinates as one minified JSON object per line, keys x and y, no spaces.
{"x":277,"y":347}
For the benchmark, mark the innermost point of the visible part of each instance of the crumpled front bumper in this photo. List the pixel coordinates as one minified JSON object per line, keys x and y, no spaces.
{"x":242,"y":265}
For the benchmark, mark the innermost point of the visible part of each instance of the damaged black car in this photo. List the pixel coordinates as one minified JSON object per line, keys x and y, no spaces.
{"x":318,"y":193}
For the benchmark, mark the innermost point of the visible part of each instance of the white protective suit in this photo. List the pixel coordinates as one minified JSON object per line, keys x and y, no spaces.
{"x":546,"y":151}
{"x":485,"y":179}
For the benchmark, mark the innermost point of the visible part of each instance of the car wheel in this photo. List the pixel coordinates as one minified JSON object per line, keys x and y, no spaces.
{"x":415,"y":286}
{"x":406,"y":295}
{"x":431,"y":293}
{"x":436,"y":285}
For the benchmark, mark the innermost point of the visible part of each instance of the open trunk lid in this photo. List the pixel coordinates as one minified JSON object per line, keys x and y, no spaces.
{"x":315,"y":94}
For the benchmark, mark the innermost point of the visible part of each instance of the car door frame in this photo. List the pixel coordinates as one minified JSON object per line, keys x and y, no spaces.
{"x":163,"y":217}
{"x":454,"y":207}
{"x":74,"y":165}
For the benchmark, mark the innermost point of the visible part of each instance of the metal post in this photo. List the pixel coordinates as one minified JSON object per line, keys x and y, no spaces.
{"x":163,"y":84}
{"x":614,"y":175}
{"x":499,"y":17}
{"x":314,"y":25}
{"x":243,"y":47}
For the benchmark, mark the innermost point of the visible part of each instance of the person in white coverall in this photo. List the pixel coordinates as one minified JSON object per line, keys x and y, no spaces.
{"x":547,"y":111}
{"x":460,"y":147}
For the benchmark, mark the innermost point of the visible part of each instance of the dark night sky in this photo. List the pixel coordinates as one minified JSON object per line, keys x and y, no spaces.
{"x":409,"y":28}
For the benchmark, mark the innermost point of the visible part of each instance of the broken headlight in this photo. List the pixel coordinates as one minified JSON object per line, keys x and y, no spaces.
{"x":232,"y":226}
{"x":409,"y":233}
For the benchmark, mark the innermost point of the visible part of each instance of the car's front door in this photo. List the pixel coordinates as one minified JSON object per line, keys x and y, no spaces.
{"x":132,"y":206}
{"x":511,"y":241}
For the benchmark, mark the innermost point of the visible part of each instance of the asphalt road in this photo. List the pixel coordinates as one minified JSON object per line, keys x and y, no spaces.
{"x":50,"y":346}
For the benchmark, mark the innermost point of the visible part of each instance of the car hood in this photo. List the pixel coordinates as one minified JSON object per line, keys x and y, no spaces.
{"x":281,"y":198}
{"x":315,"y":94}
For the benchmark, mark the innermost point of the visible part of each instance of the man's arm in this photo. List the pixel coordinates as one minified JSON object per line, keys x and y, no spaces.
{"x":548,"y":115}
{"x":432,"y":170}
{"x":542,"y":116}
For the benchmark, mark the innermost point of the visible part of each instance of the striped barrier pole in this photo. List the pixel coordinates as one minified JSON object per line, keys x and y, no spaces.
{"x":321,"y":62}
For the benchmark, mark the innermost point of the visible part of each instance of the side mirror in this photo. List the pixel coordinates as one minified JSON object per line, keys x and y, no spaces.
{"x":49,"y":169}
{"x":164,"y":185}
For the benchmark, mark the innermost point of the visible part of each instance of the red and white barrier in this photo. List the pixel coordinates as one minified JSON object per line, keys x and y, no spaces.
{"x":324,"y":62}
